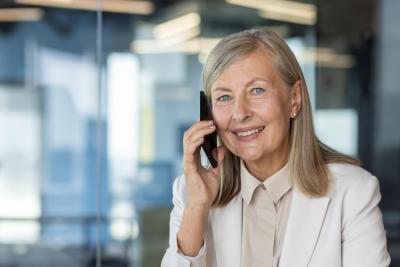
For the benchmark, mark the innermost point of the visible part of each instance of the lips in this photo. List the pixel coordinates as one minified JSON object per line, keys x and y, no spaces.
{"x":248,"y":132}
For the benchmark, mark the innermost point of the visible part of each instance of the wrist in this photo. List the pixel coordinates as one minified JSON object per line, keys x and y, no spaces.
{"x":198,"y":205}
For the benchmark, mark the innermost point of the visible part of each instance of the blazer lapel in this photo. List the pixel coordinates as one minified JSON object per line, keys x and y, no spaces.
{"x":304,"y":225}
{"x":226,"y":224}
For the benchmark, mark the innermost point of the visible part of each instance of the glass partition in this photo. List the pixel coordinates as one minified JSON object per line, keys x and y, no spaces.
{"x":50,"y":129}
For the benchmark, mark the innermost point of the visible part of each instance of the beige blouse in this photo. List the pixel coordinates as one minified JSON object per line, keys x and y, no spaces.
{"x":265,"y":213}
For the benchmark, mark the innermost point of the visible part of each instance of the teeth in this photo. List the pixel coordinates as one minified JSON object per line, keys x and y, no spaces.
{"x":247,"y":133}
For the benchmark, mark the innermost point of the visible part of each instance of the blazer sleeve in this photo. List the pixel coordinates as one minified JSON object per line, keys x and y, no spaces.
{"x":173,"y":257}
{"x":363,"y":233}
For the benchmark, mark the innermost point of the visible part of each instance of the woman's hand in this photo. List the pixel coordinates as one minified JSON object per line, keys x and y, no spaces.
{"x":202,"y":183}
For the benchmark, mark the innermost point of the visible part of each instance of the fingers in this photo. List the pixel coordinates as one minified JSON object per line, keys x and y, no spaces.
{"x":194,"y":136}
{"x":192,"y":140}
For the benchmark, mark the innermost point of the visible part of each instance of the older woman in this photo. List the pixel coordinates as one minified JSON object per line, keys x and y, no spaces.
{"x":278,"y":197}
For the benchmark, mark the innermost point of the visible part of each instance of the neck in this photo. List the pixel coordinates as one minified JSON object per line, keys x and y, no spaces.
{"x":263,"y":169}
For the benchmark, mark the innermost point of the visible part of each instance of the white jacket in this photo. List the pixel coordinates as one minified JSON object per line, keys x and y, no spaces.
{"x":344,"y":228}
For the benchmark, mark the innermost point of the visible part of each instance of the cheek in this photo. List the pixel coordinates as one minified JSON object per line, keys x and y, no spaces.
{"x":280,"y":120}
{"x":275,"y":109}
{"x":264,"y":110}
{"x":221,"y":117}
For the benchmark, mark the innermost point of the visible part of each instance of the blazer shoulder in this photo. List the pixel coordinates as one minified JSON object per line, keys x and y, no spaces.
{"x":348,"y":176}
{"x":348,"y":173}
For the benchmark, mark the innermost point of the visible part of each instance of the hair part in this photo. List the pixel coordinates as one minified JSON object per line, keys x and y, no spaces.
{"x":308,"y":157}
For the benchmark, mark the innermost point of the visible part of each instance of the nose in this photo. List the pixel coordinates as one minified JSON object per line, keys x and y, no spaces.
{"x":241,"y":110}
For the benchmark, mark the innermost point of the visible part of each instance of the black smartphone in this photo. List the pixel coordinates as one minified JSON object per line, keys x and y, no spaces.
{"x":210,"y":140}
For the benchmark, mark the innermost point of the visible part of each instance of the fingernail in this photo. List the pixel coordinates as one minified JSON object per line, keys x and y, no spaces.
{"x":210,"y":122}
{"x":212,"y":126}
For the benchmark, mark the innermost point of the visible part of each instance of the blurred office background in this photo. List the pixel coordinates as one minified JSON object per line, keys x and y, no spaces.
{"x":94,"y":100}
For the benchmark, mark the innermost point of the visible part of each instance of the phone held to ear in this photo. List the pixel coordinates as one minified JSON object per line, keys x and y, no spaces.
{"x":210,"y":140}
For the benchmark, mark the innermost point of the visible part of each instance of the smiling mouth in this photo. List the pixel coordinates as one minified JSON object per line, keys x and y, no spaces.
{"x":250,"y":132}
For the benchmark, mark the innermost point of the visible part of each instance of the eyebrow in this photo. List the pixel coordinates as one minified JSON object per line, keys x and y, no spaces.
{"x":221,"y":89}
{"x":224,"y":89}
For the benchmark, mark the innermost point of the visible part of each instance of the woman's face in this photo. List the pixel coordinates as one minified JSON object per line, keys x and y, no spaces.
{"x":252,"y":108}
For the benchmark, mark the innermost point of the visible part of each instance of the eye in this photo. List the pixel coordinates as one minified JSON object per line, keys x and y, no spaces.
{"x":257,"y":91}
{"x":223,"y":98}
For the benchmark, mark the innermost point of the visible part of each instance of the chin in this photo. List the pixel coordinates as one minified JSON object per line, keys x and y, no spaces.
{"x":249,"y":155}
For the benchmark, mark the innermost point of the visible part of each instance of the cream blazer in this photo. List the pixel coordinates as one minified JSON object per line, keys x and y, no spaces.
{"x":344,"y":228}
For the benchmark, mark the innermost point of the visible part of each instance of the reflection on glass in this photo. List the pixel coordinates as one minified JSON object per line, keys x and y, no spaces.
{"x":123,"y":122}
{"x":19,"y":165}
{"x":48,"y":113}
{"x":339,"y":127}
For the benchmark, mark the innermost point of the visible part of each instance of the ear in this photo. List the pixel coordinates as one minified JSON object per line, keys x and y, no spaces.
{"x":295,"y":99}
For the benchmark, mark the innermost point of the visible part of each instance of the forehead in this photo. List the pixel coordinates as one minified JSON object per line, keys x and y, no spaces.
{"x":256,"y":64}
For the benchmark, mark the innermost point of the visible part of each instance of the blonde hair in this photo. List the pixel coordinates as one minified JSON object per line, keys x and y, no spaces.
{"x":308,"y":156}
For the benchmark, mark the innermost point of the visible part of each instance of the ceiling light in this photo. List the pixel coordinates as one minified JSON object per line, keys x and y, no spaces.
{"x":199,"y":45}
{"x":327,"y":57}
{"x":157,"y":47}
{"x":177,"y":25}
{"x":181,"y":37}
{"x":20,"y":14}
{"x":283,"y":10}
{"x":116,"y":6}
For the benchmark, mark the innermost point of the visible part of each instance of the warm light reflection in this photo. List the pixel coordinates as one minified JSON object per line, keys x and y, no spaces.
{"x":327,"y":57}
{"x":158,"y":47}
{"x":20,"y":14}
{"x":296,"y":17}
{"x":197,"y":45}
{"x":117,"y":6}
{"x":178,"y":25}
{"x":181,"y":37}
{"x":290,"y":11}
